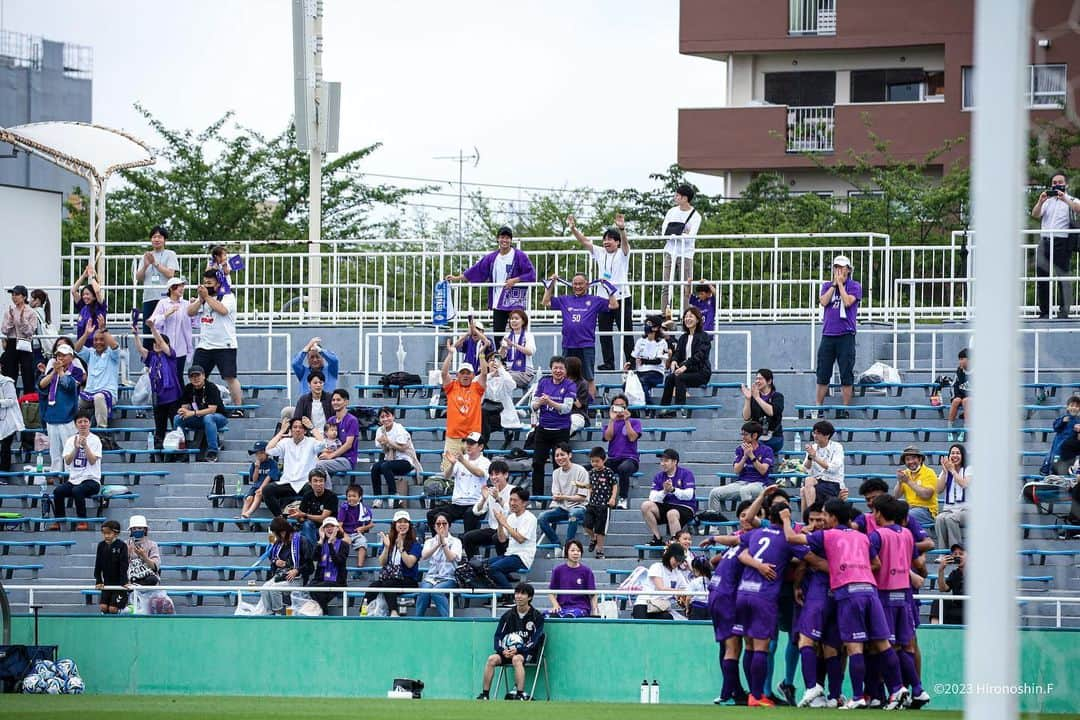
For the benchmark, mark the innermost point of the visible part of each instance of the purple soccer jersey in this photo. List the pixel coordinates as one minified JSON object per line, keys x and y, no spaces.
{"x":723,"y":587}
{"x":756,"y":613}
{"x":708,"y":311}
{"x":559,"y":392}
{"x":836,"y":319}
{"x":579,"y":315}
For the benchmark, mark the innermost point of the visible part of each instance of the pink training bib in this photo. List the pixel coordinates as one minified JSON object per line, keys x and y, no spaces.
{"x":848,"y":553}
{"x":895,"y":557}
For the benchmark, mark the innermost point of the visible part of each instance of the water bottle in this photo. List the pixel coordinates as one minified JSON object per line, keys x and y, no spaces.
{"x":364,"y":608}
{"x":40,"y":462}
{"x":149,"y":441}
{"x":239,"y":485}
{"x":599,"y":421}
{"x":798,"y":444}
{"x":654,"y":693}
{"x":644,"y":692}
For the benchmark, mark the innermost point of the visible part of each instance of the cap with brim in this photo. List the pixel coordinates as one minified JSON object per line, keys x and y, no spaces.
{"x":842,"y":260}
{"x":956,"y":546}
{"x":195,"y":370}
{"x":174,"y":281}
{"x":466,"y":366}
{"x":64,"y":350}
{"x":478,"y":324}
{"x":505,"y":230}
{"x":330,"y":521}
{"x":402,"y":515}
{"x":911,"y":450}
{"x":473,"y":437}
{"x":18,"y":290}
{"x":257,"y":447}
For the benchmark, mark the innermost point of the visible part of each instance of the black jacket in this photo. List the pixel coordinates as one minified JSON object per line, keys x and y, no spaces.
{"x":339,"y":558}
{"x":698,"y":358}
{"x":303,"y":406}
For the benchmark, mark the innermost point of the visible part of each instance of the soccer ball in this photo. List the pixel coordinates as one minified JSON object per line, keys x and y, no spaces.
{"x":33,"y":683}
{"x":46,"y":669}
{"x":513,"y":640}
{"x":54,"y":686}
{"x":66,"y":668}
{"x":74,"y":686}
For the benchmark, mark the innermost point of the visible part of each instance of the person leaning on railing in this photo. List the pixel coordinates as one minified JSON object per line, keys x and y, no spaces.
{"x":156,"y":266}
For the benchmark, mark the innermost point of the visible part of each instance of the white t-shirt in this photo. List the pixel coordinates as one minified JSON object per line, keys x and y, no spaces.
{"x":500,"y":269}
{"x":833,"y":454}
{"x":613,"y":267}
{"x":1055,"y":216}
{"x":670,"y":579}
{"x":467,"y":487}
{"x":525,"y":523}
{"x":79,"y":468}
{"x":646,"y":349}
{"x":298,"y":460}
{"x":153,"y":280}
{"x":574,"y":481}
{"x":217,"y":331}
{"x":439,"y":567}
{"x":488,"y":511}
{"x":681,"y":246}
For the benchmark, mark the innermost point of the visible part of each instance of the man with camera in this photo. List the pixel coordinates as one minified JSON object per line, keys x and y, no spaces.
{"x":951,"y":579}
{"x":1056,"y":246}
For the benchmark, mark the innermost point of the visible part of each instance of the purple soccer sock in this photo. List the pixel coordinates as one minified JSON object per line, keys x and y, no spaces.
{"x":809,"y":666}
{"x":890,"y":670}
{"x":910,"y":674}
{"x":834,"y":668}
{"x":732,"y":687}
{"x":872,"y":684}
{"x":758,"y":668}
{"x":857,"y":670}
{"x":747,"y":661}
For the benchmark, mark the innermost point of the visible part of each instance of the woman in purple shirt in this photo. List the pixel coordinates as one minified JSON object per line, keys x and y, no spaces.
{"x":572,"y":575}
{"x":89,"y":302}
{"x":160,"y":361}
{"x":621,"y":435}
{"x":554,"y":399}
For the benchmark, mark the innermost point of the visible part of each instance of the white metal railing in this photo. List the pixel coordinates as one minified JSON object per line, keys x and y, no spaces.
{"x":811,"y":17}
{"x":810,"y":129}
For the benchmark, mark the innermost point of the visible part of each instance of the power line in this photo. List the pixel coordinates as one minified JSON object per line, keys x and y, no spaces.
{"x":496,"y":185}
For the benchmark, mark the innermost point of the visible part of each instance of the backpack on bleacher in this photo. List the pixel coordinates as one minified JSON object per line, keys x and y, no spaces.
{"x":217,"y":485}
{"x":398,"y":379}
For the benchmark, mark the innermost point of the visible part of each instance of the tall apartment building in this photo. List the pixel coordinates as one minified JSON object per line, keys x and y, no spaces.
{"x":804,"y":77}
{"x":41,"y":80}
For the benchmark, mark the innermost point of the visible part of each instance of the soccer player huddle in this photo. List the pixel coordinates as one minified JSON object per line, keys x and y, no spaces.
{"x":853,"y":578}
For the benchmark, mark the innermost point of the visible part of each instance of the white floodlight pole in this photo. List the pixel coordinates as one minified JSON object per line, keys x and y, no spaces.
{"x":315,"y":171}
{"x":999,"y":134}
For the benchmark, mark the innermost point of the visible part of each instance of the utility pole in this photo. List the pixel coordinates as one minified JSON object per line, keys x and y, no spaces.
{"x":461,"y":158}
{"x":315,"y":178}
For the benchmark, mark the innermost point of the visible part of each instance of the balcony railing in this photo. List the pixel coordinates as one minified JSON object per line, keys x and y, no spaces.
{"x":812,"y":17}
{"x":810,"y":129}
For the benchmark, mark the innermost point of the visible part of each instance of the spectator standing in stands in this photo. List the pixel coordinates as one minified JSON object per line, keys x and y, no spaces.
{"x":156,"y":266}
{"x":824,"y":462}
{"x":651,"y":355}
{"x":572,"y":575}
{"x":603,"y":495}
{"x":317,"y":503}
{"x":469,"y":474}
{"x":579,"y":314}
{"x":464,"y":404}
{"x":522,"y":622}
{"x":612,"y":264}
{"x":164,"y":382}
{"x":39,"y":301}
{"x":82,"y":463}
{"x":298,"y":453}
{"x":398,"y":457}
{"x":60,"y":401}
{"x":703,"y":297}
{"x":262,"y":472}
{"x":315,"y":358}
{"x":952,"y":485}
{"x":681,"y":225}
{"x":399,"y":560}
{"x":89,"y":301}
{"x":690,"y":363}
{"x":474,"y":345}
{"x":111,"y":568}
{"x":219,"y":262}
{"x":144,"y":555}
{"x":315,"y":404}
{"x":172,"y":319}
{"x":840,"y":298}
{"x":951,"y":580}
{"x":216,"y":311}
{"x":18,"y":328}
{"x":494,"y":497}
{"x":763,"y":404}
{"x":11,"y":420}
{"x":1056,"y":246}
{"x":331,"y":557}
{"x":753,"y":462}
{"x":499,"y":411}
{"x":442,"y":552}
{"x":517,"y":349}
{"x":200,"y":409}
{"x":569,"y":493}
{"x":292,"y":560}
{"x":579,"y":410}
{"x":518,"y":530}
{"x":671,"y":499}
{"x":343,"y":458}
{"x":102,"y":375}
{"x":507,"y":267}
{"x":554,"y":399}
{"x":917,"y":484}
{"x":622,"y":434}
{"x":961,"y":394}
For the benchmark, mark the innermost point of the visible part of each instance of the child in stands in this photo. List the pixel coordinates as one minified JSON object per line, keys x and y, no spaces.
{"x":111,"y":568}
{"x":603,"y":495}
{"x":355,"y":519}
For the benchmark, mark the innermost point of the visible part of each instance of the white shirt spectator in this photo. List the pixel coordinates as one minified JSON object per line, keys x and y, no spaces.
{"x":500,"y":388}
{"x":439,"y":567}
{"x":525,"y":524}
{"x":646,"y":349}
{"x":574,"y":481}
{"x":833,"y":455}
{"x":467,"y":487}
{"x":1055,"y":216}
{"x":487,"y":508}
{"x":154,"y":281}
{"x":79,"y":468}
{"x":682,"y":246}
{"x":670,"y":579}
{"x":298,"y":459}
{"x":397,"y":435}
{"x":613,"y":267}
{"x":217,"y":331}
{"x":954,"y":495}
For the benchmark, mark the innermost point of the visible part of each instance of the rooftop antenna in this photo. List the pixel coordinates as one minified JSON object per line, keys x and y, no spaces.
{"x":461,"y":158}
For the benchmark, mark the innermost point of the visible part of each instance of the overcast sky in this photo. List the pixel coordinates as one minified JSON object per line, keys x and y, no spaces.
{"x":553,"y":93}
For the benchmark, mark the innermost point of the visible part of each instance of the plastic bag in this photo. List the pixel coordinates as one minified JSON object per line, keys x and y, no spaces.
{"x":637,"y":580}
{"x":378,"y":608}
{"x":608,"y":609}
{"x":246,"y":608}
{"x":879,"y":372}
{"x":153,"y":602}
{"x":308,"y":608}
{"x":635,"y":394}
{"x":140,"y":395}
{"x":174,"y":440}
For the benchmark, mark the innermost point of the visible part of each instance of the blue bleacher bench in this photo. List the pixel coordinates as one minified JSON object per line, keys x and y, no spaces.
{"x":226,"y":409}
{"x":37,"y":547}
{"x":42,"y":522}
{"x":1043,"y":554}
{"x":9,"y":569}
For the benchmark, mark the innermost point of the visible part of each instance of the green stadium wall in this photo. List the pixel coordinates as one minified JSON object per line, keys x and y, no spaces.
{"x":590,"y":660}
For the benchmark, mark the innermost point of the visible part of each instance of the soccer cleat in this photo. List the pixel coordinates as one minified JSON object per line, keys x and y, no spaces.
{"x":788,"y":692}
{"x":919,"y":700}
{"x":897,"y":699}
{"x":762,"y":701}
{"x":810,"y":696}
{"x":483,"y":696}
{"x":522,"y":695}
{"x":856,"y":704}
{"x":875,"y":704}
{"x":820,"y":702}
{"x":829,"y":703}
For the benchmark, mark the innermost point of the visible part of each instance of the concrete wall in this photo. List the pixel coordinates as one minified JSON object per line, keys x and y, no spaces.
{"x":589,"y":660}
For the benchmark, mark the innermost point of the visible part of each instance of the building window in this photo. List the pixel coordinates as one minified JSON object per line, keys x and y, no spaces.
{"x":801,"y":89}
{"x":1046,"y":86}
{"x":894,"y":85}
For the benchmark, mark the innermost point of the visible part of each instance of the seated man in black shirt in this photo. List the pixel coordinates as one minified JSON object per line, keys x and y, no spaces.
{"x":951,"y":579}
{"x":316,"y":504}
{"x":200,"y":409}
{"x":517,"y":641}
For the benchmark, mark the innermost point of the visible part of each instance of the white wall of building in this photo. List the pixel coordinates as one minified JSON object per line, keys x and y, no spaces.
{"x":30,"y":243}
